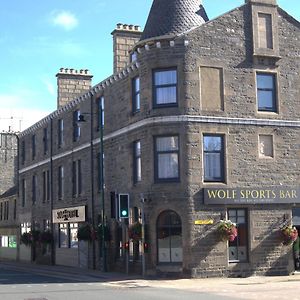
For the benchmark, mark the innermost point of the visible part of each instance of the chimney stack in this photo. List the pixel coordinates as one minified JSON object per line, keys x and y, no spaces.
{"x":268,"y":2}
{"x":71,"y":84}
{"x":124,"y":38}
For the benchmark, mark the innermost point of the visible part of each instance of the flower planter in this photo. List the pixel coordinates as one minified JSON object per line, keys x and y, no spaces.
{"x":227,"y":230}
{"x":289,"y":234}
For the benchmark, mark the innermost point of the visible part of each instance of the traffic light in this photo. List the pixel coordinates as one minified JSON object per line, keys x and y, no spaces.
{"x":146,"y":247}
{"x":126,"y":246}
{"x":123,"y":206}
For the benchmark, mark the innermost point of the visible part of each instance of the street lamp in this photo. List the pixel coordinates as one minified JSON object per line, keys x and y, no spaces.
{"x":101,"y":177}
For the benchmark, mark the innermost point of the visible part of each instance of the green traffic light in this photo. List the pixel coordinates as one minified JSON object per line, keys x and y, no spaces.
{"x":124,"y":213}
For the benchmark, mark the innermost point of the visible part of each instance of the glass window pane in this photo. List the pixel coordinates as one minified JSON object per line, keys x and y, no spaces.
{"x":165,"y":77}
{"x":138,"y":169}
{"x":73,"y":237}
{"x":137,"y":84}
{"x":212,"y":167}
{"x":167,"y":143}
{"x":212,"y":143}
{"x":168,"y":166}
{"x":265,"y":99}
{"x":166,"y":95}
{"x":241,"y":213}
{"x":138,"y":148}
{"x":137,"y":102}
{"x":12,"y":241}
{"x":164,"y":254}
{"x":4,"y":241}
{"x":63,"y":236}
{"x":265,"y":81}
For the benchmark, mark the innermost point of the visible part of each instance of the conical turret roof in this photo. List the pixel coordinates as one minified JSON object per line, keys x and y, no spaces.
{"x":172,"y":17}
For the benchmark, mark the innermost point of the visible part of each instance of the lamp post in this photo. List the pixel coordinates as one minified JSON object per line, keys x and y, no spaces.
{"x":101,"y":173}
{"x":101,"y":127}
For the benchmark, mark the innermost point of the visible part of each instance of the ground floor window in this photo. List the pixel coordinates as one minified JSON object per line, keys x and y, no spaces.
{"x":169,"y":237}
{"x":238,"y":249}
{"x":25,"y":227}
{"x":8,"y":241}
{"x":67,"y":234}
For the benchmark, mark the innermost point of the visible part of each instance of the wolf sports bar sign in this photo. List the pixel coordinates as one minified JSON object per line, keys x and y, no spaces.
{"x":252,"y":196}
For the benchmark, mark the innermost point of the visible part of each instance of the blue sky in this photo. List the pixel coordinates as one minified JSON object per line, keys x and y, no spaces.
{"x":37,"y":38}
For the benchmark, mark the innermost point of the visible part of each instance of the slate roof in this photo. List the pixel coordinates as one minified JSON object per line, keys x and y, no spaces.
{"x":172,"y":17}
{"x":11,"y":192}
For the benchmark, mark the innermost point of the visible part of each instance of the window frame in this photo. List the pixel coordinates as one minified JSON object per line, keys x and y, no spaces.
{"x":33,"y":189}
{"x":260,"y":155}
{"x":23,"y":152}
{"x":60,"y":182}
{"x":76,"y":178}
{"x":60,"y":133}
{"x":274,"y":90}
{"x":237,"y":238}
{"x":68,"y":227}
{"x":156,"y":156}
{"x":136,"y":94}
{"x":23,"y":187}
{"x":154,"y":87}
{"x":100,"y":112}
{"x":76,"y":127}
{"x":45,"y":140}
{"x":33,"y":147}
{"x":222,"y":178}
{"x":137,"y":162}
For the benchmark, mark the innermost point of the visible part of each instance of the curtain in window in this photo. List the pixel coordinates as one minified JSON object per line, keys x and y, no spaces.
{"x":167,"y":159}
{"x":166,"y":86}
{"x":212,"y":167}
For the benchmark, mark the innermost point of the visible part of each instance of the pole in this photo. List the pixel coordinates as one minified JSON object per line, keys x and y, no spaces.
{"x":101,"y":106}
{"x":143,"y":237}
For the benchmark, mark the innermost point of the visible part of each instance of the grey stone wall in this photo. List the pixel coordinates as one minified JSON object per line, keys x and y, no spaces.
{"x":8,"y":162}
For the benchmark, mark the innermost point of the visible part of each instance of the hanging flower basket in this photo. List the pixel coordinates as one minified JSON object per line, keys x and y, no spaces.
{"x":227,"y":230}
{"x":46,"y":237}
{"x":26,"y":238}
{"x":289,"y":234}
{"x":135,"y":231}
{"x":35,"y":236}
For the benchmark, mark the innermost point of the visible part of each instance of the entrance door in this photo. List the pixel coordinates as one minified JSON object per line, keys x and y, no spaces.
{"x":169,"y":237}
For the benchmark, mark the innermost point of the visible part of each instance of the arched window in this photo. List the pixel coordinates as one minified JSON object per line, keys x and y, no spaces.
{"x":169,"y":237}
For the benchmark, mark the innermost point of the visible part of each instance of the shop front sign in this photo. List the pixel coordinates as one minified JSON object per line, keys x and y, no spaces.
{"x":204,"y":222}
{"x":252,"y":196}
{"x":69,"y":215}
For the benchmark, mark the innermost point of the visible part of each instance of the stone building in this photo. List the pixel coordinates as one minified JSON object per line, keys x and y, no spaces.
{"x":201,"y":125}
{"x":9,"y":231}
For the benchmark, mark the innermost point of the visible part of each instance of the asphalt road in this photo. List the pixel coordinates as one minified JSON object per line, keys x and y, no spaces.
{"x":32,"y":285}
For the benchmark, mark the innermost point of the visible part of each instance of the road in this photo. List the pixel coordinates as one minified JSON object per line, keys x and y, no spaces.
{"x":32,"y":285}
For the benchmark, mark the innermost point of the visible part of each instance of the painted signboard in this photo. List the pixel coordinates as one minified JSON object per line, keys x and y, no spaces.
{"x":204,"y":222}
{"x":278,"y":195}
{"x":69,"y":215}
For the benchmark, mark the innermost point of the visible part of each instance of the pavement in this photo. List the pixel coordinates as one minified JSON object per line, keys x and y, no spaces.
{"x":256,"y":287}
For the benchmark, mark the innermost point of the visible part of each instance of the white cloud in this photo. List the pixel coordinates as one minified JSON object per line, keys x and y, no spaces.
{"x":64,"y":19}
{"x":51,"y":88}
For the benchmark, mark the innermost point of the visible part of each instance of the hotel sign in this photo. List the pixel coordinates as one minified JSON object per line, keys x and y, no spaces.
{"x":69,"y":215}
{"x":252,"y":196}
